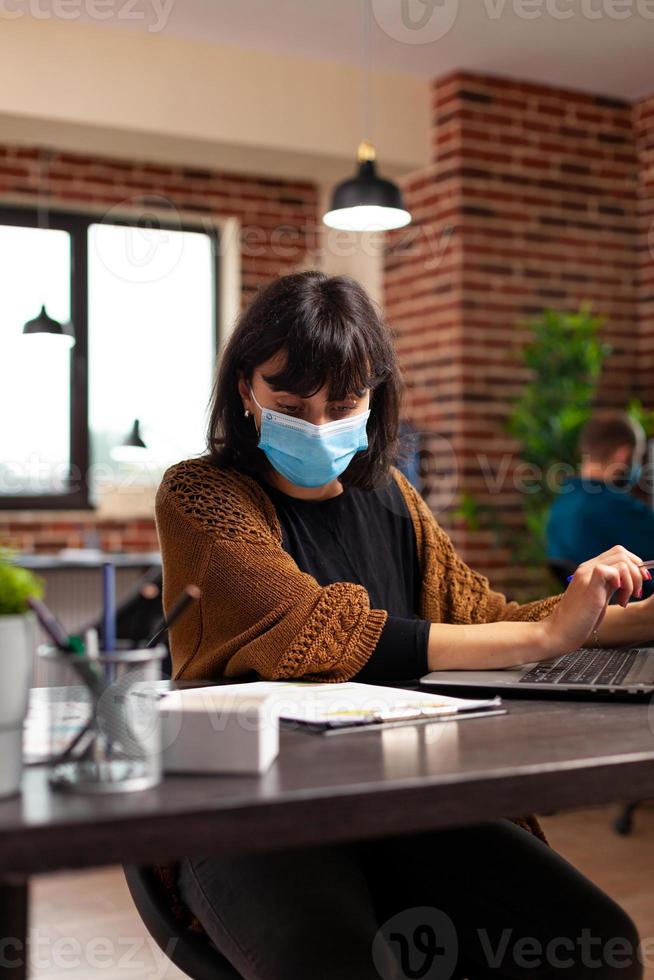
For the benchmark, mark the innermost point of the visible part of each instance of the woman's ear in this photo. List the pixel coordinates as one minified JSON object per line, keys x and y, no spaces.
{"x":244,"y":391}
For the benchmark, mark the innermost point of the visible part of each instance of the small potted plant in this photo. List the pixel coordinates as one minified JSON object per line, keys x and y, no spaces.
{"x":17,"y":645}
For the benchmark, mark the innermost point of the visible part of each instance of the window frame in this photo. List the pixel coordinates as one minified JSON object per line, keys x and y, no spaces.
{"x":77,"y":225}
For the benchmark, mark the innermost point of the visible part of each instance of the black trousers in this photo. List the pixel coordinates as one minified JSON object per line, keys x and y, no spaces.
{"x":475,"y":902}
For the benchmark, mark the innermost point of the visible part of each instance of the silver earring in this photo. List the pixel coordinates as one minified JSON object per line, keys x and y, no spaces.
{"x":247,"y":413}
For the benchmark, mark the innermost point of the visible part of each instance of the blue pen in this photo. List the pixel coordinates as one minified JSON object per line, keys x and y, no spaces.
{"x":109,"y":606}
{"x":645,"y":564}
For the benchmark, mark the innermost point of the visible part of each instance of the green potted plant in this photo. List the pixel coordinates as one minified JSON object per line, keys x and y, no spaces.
{"x":565,"y":355}
{"x":17,"y":645}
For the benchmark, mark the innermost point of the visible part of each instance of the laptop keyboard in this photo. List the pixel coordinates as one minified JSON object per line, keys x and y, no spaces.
{"x":585,"y":666}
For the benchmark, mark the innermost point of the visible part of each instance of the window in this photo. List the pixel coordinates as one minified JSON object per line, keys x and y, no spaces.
{"x":142,"y":301}
{"x":35,"y":373}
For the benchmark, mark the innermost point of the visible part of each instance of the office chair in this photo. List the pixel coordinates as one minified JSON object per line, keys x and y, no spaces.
{"x":137,"y":615}
{"x":193,"y":953}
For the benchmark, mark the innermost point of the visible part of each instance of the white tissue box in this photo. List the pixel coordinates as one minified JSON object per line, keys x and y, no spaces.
{"x":209,"y":731}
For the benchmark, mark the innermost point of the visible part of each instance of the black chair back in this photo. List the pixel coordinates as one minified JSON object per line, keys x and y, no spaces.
{"x":138,"y":615}
{"x":192,"y":953}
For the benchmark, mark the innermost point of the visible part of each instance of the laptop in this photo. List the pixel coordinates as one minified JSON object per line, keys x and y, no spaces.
{"x":622,"y":671}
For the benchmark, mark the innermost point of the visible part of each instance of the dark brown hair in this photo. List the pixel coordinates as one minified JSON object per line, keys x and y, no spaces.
{"x":332,"y":335}
{"x":607,"y":431}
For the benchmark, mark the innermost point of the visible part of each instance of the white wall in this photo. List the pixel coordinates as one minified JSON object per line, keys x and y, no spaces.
{"x":110,"y":90}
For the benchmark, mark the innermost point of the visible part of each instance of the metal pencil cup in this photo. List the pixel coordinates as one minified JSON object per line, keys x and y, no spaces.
{"x":107,"y":737}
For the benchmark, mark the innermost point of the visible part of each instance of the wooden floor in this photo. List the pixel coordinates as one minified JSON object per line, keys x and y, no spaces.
{"x":84,"y":925}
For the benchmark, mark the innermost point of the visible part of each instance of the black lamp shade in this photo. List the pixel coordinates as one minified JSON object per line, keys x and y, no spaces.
{"x":44,"y":324}
{"x":134,"y":438}
{"x":367,"y":190}
{"x":132,"y":449}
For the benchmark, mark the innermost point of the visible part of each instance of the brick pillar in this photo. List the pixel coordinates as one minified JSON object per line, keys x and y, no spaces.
{"x":530,"y":202}
{"x":644,"y":130}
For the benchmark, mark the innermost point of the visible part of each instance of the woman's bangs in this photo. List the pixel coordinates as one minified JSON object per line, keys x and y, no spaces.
{"x":333,"y":356}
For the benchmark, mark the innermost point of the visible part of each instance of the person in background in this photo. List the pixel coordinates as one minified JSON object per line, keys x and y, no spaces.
{"x":595,"y":509}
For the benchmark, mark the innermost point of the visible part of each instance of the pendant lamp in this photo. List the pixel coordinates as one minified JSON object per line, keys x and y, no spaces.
{"x":44,"y":325}
{"x":132,"y":449}
{"x":366,"y":202}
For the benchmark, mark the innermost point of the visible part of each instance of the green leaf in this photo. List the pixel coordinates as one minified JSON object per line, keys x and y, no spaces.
{"x":16,"y":586}
{"x":565,"y":355}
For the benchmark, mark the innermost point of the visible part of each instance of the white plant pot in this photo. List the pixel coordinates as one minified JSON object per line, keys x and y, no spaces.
{"x":17,"y":645}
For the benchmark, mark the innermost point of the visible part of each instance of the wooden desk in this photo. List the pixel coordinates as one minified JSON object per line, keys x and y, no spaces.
{"x":542,"y":756}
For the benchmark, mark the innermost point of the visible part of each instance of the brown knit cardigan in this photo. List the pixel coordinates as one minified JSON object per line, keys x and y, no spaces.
{"x":259,"y":612}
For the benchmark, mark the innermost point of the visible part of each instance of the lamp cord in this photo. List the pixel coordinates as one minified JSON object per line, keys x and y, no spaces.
{"x":44,"y":170}
{"x":365,"y":69}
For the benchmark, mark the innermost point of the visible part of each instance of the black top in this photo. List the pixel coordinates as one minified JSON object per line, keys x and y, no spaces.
{"x":366,"y":537}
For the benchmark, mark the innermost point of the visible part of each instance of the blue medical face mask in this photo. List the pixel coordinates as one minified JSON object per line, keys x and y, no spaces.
{"x":310,"y":455}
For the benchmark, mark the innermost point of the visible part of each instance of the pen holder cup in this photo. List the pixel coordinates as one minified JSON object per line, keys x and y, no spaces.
{"x":106,"y":737}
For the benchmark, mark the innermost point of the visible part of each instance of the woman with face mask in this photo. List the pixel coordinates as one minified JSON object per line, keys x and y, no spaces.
{"x":318,"y":560}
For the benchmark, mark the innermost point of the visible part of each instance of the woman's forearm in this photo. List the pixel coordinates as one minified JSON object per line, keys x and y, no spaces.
{"x":484,"y":646}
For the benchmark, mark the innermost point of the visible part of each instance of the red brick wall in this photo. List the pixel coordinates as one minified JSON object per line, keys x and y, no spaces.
{"x":644,"y":130}
{"x":539,"y":188}
{"x":44,"y":533}
{"x":278,"y":217}
{"x":278,"y":234}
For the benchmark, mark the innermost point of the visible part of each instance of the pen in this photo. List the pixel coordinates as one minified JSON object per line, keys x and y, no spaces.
{"x":71,"y":645}
{"x":49,"y":623}
{"x":645,"y":564}
{"x":189,"y":595}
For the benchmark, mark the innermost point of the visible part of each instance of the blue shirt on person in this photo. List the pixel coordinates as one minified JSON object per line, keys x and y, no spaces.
{"x":589,"y":516}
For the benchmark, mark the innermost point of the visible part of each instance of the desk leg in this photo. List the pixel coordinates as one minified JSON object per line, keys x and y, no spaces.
{"x":14,"y":893}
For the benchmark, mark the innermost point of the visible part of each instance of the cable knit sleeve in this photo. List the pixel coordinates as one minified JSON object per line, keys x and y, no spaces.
{"x":258,"y":611}
{"x":452,"y":591}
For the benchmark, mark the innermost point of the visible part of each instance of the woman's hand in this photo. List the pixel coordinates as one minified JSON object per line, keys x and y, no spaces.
{"x":584,"y":603}
{"x":582,"y":606}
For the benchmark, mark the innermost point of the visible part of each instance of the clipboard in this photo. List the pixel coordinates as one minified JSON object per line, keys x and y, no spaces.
{"x":347,"y":728}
